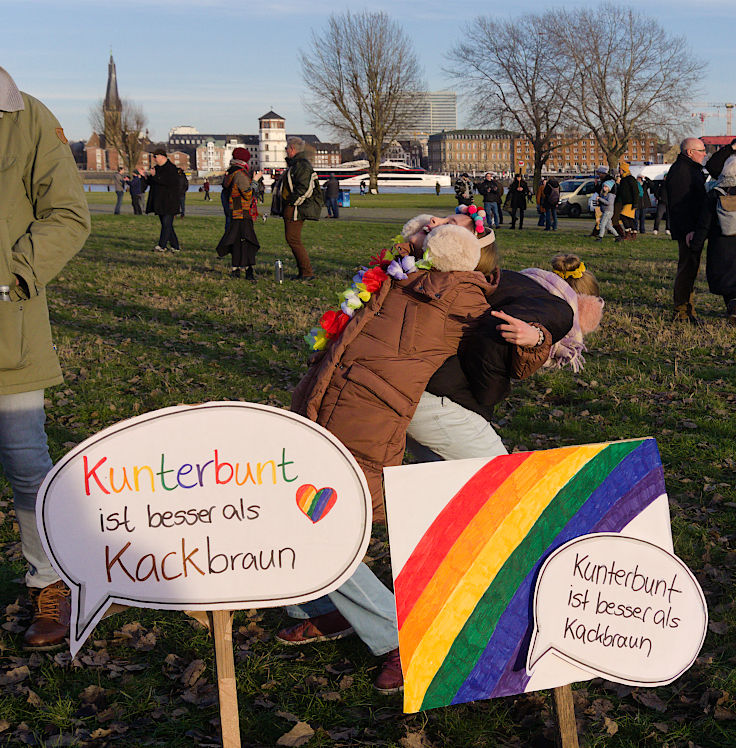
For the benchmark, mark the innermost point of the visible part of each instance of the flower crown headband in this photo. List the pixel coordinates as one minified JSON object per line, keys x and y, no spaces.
{"x":384,"y":265}
{"x":478,"y":216}
{"x":577,"y":273}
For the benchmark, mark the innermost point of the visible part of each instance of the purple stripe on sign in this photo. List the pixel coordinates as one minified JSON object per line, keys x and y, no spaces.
{"x":499,"y":662}
{"x":323,"y":497}
{"x":513,"y":680}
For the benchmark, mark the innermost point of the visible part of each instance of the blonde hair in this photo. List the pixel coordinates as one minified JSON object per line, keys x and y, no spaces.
{"x":566,"y":265}
{"x":488,"y":259}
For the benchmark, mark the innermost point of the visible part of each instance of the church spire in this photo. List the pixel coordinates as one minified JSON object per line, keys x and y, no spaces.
{"x":112,"y":99}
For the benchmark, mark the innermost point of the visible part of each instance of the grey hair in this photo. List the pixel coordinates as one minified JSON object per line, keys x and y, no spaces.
{"x":296,"y":143}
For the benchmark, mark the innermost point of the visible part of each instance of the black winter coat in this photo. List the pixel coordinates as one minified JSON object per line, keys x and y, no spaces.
{"x":628,"y":191}
{"x":714,"y":165}
{"x":164,"y":195}
{"x":478,"y":377}
{"x":685,"y":185}
{"x":490,"y":191}
{"x":720,"y":266}
{"x":332,"y":188}
{"x":515,"y":198}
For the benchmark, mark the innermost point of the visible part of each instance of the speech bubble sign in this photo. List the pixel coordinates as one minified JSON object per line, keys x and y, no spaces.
{"x":621,"y":608}
{"x":224,"y":505}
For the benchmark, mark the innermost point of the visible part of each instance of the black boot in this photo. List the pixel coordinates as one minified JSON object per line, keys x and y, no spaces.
{"x":249,"y":274}
{"x":235,"y":273}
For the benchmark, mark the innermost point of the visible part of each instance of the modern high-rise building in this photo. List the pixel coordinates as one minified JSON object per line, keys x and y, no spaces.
{"x":436,"y":111}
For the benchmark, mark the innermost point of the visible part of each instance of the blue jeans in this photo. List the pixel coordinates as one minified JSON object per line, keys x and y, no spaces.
{"x":550,"y":218}
{"x":492,"y":214}
{"x":332,"y":207}
{"x":119,"y":202}
{"x":167,"y":232}
{"x":366,"y":603}
{"x":24,"y":455}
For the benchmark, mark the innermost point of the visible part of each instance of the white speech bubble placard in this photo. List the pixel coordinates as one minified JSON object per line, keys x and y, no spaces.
{"x":619,"y":607}
{"x":224,"y":505}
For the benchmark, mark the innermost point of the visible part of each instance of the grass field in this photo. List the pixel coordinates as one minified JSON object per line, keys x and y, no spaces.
{"x":137,"y":331}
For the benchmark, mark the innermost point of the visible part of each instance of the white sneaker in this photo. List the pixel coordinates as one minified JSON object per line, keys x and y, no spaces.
{"x":157,"y":248}
{"x":655,"y":232}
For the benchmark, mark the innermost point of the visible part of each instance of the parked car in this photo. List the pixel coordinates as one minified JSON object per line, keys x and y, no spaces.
{"x":574,"y":196}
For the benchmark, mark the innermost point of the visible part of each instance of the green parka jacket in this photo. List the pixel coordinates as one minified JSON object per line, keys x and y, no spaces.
{"x":44,"y":221}
{"x":300,"y":188}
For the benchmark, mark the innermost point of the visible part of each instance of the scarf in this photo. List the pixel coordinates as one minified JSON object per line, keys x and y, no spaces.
{"x":570,"y":349}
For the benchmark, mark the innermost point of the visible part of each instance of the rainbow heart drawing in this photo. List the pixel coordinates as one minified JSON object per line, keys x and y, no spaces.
{"x":463,"y":593}
{"x":315,"y":503}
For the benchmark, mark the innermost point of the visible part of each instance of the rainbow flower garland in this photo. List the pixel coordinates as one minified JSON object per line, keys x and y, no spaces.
{"x":385,"y":264}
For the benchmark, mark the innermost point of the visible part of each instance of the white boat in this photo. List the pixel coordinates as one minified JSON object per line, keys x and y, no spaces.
{"x":390,"y":174}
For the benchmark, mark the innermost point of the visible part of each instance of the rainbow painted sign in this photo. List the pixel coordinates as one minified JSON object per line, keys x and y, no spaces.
{"x":468,"y":539}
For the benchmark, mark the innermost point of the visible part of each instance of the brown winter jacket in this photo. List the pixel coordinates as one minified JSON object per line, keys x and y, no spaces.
{"x":365,"y":388}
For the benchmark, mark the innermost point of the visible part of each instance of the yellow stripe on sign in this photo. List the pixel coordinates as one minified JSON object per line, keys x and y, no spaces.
{"x":445,"y":627}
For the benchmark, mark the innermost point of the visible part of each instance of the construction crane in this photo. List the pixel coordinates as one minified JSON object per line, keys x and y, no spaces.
{"x":702,"y":117}
{"x":728,"y":106}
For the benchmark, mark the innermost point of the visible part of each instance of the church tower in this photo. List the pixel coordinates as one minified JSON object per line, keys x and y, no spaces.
{"x":112,"y":106}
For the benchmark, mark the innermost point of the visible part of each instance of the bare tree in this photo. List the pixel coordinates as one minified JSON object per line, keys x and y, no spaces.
{"x":122,"y":129}
{"x":631,"y":77}
{"x":364,"y":81}
{"x":506,"y":70}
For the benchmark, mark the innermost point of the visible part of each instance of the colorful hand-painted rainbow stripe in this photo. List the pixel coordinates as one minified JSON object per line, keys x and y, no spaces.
{"x":316,"y":504}
{"x":464,"y":595}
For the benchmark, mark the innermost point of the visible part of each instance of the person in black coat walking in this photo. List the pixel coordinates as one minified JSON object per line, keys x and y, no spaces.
{"x":685,"y":185}
{"x":164,"y":198}
{"x":332,"y":192}
{"x":516,"y":199}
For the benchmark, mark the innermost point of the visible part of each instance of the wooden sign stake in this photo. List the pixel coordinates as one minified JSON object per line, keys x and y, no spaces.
{"x":222,"y":633}
{"x":564,"y":710}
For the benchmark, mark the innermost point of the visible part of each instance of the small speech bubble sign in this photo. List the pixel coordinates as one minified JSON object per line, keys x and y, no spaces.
{"x":198,"y":508}
{"x":619,"y":607}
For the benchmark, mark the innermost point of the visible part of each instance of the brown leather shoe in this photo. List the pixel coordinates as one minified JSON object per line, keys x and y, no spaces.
{"x":391,"y":678}
{"x":324,"y":628}
{"x":50,"y":625}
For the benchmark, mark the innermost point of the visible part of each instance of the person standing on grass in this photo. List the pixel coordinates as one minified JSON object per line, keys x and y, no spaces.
{"x":164,"y":198}
{"x":464,"y":190}
{"x":627,"y":198}
{"x":118,"y":182}
{"x":46,"y":226}
{"x":206,"y":189}
{"x":136,"y":192}
{"x":239,"y":240}
{"x":302,"y":198}
{"x":539,"y":197}
{"x":685,"y":185}
{"x":490,"y":190}
{"x":717,"y":224}
{"x":516,"y":199}
{"x":551,"y":201}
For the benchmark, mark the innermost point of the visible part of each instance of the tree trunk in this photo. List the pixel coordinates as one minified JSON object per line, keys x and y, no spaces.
{"x":374,"y":162}
{"x":538,"y":163}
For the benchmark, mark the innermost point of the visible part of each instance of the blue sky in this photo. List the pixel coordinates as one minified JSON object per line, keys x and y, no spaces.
{"x":219,"y":65}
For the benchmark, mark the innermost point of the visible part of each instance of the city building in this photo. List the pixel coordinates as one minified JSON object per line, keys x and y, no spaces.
{"x":189,"y":140}
{"x":272,"y":141}
{"x":214,"y":154}
{"x":503,"y":151}
{"x":436,"y":111}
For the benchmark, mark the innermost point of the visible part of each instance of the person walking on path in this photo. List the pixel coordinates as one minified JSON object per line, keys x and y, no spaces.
{"x":606,"y":202}
{"x":206,"y":189}
{"x":685,"y":185}
{"x":302,"y":198}
{"x":332,"y":192}
{"x":239,"y":240}
{"x":490,"y":190}
{"x":662,"y":211}
{"x":136,"y":192}
{"x":164,"y":198}
{"x":118,"y":181}
{"x":516,"y":199}
{"x":48,"y":224}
